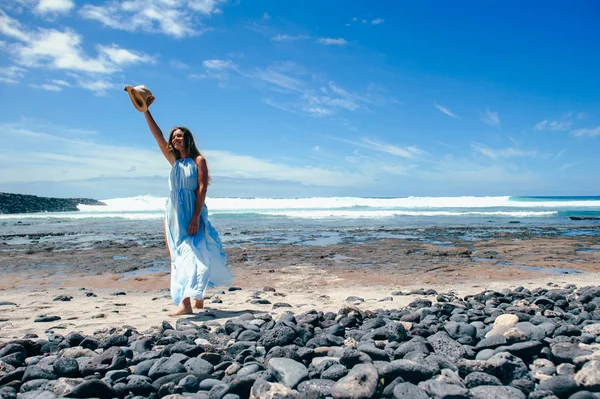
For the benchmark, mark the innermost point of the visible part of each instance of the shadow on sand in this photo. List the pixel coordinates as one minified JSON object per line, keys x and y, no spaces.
{"x":208,"y":314}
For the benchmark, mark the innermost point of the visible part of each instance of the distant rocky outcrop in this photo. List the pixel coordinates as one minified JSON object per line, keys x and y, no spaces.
{"x":584,"y":218}
{"x":20,"y":203}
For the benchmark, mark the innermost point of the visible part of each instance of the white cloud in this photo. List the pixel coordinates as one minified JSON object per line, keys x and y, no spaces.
{"x":586,"y":132}
{"x":326,"y":101}
{"x":11,"y":74}
{"x":218,"y":64}
{"x":54,"y":6}
{"x":410,"y":152}
{"x":298,"y":94}
{"x":582,"y":115}
{"x":495,"y":154}
{"x":179,"y":64}
{"x":344,"y":103}
{"x":121,"y":56}
{"x":282,"y":38}
{"x":47,"y":87}
{"x":60,"y":82}
{"x":272,"y":103}
{"x":206,"y":7}
{"x":176,"y":18}
{"x":568,"y":165}
{"x":266,"y":17}
{"x":397,"y":169}
{"x":541,"y":125}
{"x":50,"y":48}
{"x":336,"y":97}
{"x":8,"y":81}
{"x":445,"y":110}
{"x":490,"y":118}
{"x":86,"y":159}
{"x":98,"y":86}
{"x":276,"y":77}
{"x":328,"y":41}
{"x":62,"y":50}
{"x":317,"y":111}
{"x":12,"y":28}
{"x":338,"y":90}
{"x":553,"y":125}
{"x":466,"y":173}
{"x":333,"y":99}
{"x":377,"y":21}
{"x":216,"y":69}
{"x":225,"y":163}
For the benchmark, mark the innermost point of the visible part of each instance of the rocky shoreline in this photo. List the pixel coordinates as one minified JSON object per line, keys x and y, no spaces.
{"x":22,"y":203}
{"x":522,"y":343}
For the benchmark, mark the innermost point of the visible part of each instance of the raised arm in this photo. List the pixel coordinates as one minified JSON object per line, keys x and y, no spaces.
{"x":158,"y":135}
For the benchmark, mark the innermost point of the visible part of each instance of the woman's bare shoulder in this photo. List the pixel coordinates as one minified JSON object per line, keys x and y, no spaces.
{"x":200,"y":161}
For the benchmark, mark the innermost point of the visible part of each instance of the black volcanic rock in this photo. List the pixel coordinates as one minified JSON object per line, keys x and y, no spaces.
{"x":21,"y":203}
{"x":354,"y":353}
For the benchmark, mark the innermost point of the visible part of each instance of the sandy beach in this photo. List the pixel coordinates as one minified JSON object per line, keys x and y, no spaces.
{"x":146,"y":308}
{"x":300,"y":277}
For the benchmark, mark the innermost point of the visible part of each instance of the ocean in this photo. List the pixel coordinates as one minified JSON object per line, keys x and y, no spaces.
{"x":315,"y":221}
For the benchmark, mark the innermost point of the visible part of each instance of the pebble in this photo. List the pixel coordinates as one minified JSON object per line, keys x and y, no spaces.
{"x":281,"y":305}
{"x":63,"y":298}
{"x":509,"y":344}
{"x":288,"y":372}
{"x":360,"y":383}
{"x":589,"y":376}
{"x":45,"y":318}
{"x":406,"y":390}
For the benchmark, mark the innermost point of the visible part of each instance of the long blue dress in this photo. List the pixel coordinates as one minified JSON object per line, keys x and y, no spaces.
{"x":197,"y":261}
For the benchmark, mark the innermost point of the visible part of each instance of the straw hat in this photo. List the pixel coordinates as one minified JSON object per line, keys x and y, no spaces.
{"x":141,"y":97}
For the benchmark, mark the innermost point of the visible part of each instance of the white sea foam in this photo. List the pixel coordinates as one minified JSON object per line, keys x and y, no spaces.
{"x":149,"y":207}
{"x":143,"y":203}
{"x":149,"y":203}
{"x":321,"y":214}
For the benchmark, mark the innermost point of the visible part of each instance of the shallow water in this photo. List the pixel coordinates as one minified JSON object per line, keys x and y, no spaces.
{"x":549,"y":270}
{"x":237,"y":230}
{"x":156,"y":269}
{"x":587,"y":250}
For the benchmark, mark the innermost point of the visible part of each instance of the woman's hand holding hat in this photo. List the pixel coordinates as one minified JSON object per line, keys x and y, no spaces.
{"x":141,"y":97}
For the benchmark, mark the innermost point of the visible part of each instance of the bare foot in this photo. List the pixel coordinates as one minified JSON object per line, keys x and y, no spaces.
{"x":185,"y":308}
{"x":198,"y":303}
{"x":181,"y":311}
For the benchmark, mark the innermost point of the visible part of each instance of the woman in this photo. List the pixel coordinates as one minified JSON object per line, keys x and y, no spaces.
{"x":197,"y":258}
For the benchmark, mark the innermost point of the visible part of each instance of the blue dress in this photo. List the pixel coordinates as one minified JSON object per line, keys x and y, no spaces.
{"x":197,"y":261}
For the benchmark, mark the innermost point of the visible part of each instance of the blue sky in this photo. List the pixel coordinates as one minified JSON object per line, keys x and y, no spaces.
{"x":311,"y":98}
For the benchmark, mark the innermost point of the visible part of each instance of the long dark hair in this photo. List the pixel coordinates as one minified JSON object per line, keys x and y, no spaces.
{"x":188,"y":142}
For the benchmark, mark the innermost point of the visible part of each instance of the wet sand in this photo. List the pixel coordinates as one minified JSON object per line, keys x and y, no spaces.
{"x":385,"y":261}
